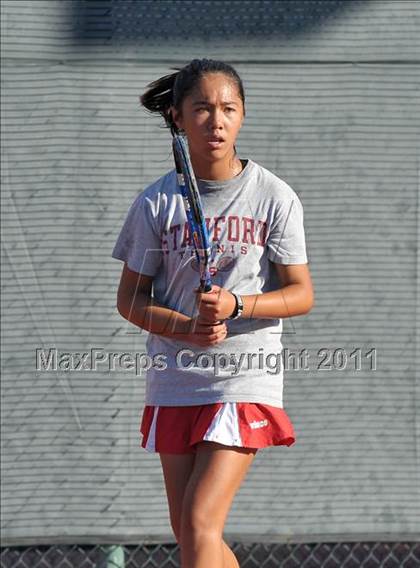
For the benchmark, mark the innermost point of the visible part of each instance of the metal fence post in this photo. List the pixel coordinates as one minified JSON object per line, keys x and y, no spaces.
{"x":115,"y":557}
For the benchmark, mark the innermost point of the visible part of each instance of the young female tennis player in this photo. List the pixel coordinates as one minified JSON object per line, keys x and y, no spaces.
{"x":214,"y":389}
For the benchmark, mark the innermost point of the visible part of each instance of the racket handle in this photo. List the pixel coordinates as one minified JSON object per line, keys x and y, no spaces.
{"x":205,"y":287}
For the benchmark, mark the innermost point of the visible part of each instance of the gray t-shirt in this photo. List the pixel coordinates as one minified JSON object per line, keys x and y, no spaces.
{"x":255,"y":219}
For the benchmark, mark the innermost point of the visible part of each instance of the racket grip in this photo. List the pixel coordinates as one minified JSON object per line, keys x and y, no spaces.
{"x":205,"y":284}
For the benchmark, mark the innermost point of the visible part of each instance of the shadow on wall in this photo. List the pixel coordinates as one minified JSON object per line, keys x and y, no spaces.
{"x":146,"y":21}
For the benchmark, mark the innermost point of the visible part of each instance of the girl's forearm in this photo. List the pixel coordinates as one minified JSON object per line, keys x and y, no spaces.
{"x":292,"y":300}
{"x":145,"y":312}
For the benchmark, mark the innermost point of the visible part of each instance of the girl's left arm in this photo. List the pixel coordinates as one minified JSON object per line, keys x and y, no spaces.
{"x":294,"y":297}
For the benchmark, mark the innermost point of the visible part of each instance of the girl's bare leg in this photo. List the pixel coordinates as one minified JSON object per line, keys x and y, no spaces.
{"x":229,"y":558}
{"x":216,"y":476}
{"x":177,"y":469}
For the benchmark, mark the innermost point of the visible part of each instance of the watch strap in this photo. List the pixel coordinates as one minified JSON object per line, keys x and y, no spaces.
{"x":239,"y":308}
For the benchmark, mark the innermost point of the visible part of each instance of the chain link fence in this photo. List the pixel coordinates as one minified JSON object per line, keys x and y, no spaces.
{"x":317,"y":555}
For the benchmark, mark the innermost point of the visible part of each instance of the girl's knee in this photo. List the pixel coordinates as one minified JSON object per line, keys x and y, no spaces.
{"x":197,"y":536}
{"x":200,"y":524}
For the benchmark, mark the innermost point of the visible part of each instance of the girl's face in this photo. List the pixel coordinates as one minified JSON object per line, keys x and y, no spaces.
{"x":211,"y":117}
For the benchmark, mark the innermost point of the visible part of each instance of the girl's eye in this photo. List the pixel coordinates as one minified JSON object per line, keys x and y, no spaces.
{"x":205,"y":109}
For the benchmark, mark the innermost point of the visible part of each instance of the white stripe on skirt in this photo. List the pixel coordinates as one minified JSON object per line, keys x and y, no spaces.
{"x":224,"y":428}
{"x":151,"y":440}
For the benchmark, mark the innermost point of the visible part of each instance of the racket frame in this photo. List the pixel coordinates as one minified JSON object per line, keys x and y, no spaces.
{"x":193,"y":207}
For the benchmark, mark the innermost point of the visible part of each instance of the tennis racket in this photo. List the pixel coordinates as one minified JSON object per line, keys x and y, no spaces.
{"x":193,"y":208}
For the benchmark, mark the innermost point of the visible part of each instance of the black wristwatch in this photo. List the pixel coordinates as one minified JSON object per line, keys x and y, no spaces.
{"x":239,"y":308}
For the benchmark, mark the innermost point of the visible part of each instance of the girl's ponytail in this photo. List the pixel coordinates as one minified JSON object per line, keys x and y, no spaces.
{"x":159,"y":98}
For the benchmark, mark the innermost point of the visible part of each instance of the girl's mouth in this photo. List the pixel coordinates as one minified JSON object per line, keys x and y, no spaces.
{"x":215,"y":142}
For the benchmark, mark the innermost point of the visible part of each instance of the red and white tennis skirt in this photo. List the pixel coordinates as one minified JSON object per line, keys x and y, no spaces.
{"x":177,"y":429}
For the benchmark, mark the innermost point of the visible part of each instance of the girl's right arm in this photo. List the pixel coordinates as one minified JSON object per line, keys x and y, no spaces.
{"x":136,"y":304}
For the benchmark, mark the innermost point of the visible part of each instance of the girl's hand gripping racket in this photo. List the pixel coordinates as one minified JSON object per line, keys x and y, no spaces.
{"x":193,"y":208}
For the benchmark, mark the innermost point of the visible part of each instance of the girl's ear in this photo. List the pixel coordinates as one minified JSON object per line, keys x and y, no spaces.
{"x":176,"y":117}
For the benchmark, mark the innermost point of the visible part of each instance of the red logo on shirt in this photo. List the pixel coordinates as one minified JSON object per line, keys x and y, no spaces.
{"x":241,"y":230}
{"x":223,"y":264}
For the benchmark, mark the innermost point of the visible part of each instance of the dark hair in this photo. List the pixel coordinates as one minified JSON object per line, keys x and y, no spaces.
{"x":171,"y":90}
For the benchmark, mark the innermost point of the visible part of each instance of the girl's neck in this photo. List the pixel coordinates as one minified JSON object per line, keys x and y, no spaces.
{"x":220,"y":170}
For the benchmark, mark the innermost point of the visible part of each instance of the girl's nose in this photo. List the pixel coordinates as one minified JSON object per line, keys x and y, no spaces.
{"x":216,"y":118}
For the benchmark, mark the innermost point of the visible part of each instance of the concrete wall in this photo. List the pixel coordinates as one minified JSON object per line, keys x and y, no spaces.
{"x":333,"y":109}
